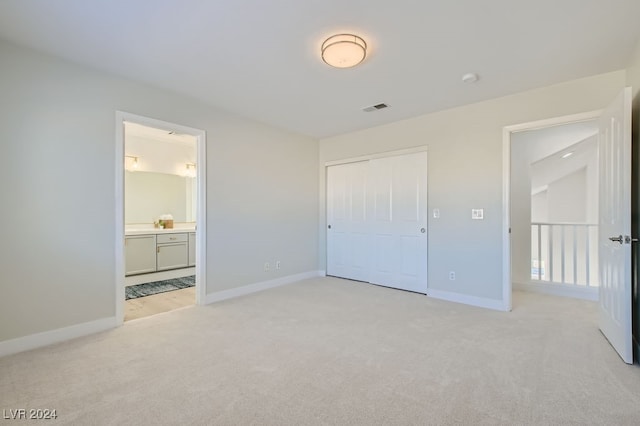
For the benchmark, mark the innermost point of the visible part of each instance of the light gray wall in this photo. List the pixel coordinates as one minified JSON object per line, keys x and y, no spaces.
{"x":465,"y":172}
{"x":160,"y":156}
{"x":633,"y":75}
{"x":57,"y":129}
{"x":540,"y":207}
{"x":567,"y":198}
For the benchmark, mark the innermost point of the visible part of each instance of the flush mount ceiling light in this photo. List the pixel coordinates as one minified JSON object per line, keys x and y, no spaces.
{"x":568,"y":154}
{"x":470,"y":77}
{"x":344,"y":50}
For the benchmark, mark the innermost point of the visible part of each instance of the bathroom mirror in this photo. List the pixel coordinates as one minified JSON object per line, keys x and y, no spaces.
{"x":147,"y":195}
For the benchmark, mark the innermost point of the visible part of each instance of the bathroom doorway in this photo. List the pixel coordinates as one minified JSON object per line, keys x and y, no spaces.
{"x":160,"y":216}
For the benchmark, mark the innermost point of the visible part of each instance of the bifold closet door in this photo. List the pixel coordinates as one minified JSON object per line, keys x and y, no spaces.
{"x":377,"y":221}
{"x":397,"y":196}
{"x":347,"y":233}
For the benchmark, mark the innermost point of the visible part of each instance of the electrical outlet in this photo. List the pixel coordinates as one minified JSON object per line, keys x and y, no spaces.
{"x":477,"y":214}
{"x":452,"y":276}
{"x":267,"y":266}
{"x":277,"y":264}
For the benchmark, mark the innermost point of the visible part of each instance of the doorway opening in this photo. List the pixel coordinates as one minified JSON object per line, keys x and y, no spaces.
{"x":554,"y":209}
{"x":160,"y":216}
{"x":614,"y":237}
{"x":550,"y":207}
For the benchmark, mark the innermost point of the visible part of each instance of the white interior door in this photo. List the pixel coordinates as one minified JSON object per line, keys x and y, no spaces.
{"x":377,"y":221}
{"x":615,"y":225}
{"x":347,"y":233}
{"x":398,"y":206}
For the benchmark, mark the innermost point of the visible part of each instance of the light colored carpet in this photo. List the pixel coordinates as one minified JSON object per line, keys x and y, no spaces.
{"x":335,"y":352}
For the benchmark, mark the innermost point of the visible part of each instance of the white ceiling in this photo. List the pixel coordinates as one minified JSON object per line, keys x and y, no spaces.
{"x":260,"y":58}
{"x":552,"y":141}
{"x":552,"y":168}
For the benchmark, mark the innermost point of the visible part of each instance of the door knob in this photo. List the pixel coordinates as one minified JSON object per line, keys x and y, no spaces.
{"x":329,"y":226}
{"x":618,"y":239}
{"x":423,"y":230}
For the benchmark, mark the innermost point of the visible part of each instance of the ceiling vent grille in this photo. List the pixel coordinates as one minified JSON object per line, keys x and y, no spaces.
{"x":375,"y":107}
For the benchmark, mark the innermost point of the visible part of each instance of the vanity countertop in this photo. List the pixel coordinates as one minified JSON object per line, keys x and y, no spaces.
{"x":149,"y":231}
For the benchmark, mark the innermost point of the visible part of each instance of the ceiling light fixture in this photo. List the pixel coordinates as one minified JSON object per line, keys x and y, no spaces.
{"x":470,"y":77}
{"x":344,"y":50}
{"x":568,"y":154}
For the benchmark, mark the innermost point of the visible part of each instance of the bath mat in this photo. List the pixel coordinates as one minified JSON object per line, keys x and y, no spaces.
{"x":156,"y":287}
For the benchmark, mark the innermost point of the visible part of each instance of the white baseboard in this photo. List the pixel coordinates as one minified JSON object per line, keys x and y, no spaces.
{"x":480,"y":302}
{"x":260,"y":286}
{"x":584,"y":293}
{"x":33,"y":341}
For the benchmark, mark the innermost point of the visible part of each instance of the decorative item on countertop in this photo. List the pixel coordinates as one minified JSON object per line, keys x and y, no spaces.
{"x":166,"y":221}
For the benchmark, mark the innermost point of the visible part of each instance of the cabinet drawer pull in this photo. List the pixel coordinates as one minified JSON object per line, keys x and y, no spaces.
{"x":158,"y":249}
{"x":172,"y":238}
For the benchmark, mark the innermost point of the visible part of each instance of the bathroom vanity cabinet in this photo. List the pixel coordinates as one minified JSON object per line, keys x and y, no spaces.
{"x":140,"y":254}
{"x":172,"y":251}
{"x":192,"y":249}
{"x":160,"y":251}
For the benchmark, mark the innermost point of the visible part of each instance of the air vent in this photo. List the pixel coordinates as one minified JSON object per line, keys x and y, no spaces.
{"x":375,"y":107}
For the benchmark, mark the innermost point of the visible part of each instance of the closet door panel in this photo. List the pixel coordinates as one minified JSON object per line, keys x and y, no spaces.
{"x":403,"y":181}
{"x":347,"y":221}
{"x":377,"y":221}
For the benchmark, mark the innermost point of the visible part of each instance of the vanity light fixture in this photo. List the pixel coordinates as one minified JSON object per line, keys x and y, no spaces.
{"x":191,"y":170}
{"x":344,"y":50}
{"x":131,"y":163}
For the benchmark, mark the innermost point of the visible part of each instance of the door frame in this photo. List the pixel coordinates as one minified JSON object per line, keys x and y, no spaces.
{"x":201,"y":203}
{"x":507,"y":131}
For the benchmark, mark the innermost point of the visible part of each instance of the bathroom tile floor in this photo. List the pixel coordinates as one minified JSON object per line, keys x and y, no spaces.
{"x":158,"y":303}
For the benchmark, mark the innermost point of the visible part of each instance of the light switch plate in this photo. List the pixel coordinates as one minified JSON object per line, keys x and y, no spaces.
{"x":436,"y":213}
{"x":477,"y":214}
